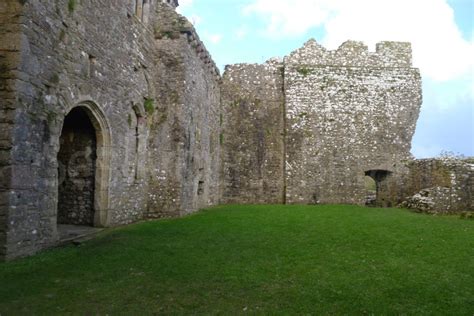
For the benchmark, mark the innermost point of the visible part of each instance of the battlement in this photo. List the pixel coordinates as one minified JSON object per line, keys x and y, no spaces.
{"x":354,"y":54}
{"x":201,"y":51}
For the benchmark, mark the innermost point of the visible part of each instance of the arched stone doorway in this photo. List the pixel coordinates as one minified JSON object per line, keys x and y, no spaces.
{"x":83,"y":163}
{"x":380,"y":178}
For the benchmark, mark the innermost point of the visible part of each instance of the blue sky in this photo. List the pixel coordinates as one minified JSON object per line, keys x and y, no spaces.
{"x":441,"y":32}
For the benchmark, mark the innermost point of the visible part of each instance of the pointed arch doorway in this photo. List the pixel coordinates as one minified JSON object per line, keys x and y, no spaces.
{"x":84,"y":168}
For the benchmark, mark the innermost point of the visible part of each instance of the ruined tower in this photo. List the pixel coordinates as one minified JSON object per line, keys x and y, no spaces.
{"x":308,"y":129}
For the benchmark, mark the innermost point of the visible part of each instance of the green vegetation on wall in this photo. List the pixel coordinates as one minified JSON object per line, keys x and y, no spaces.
{"x":71,"y":5}
{"x":304,"y":71}
{"x":149,"y":106}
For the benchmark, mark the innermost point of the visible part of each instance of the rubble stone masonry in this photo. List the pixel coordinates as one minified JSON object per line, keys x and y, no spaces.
{"x":113,"y":112}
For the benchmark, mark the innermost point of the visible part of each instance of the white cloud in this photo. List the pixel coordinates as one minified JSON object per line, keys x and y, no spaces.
{"x":288,"y":18}
{"x":241,"y":32}
{"x":214,"y":38}
{"x":184,"y":4}
{"x":438,"y":46}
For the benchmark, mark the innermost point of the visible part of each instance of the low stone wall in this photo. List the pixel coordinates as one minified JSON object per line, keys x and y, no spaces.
{"x":440,"y":186}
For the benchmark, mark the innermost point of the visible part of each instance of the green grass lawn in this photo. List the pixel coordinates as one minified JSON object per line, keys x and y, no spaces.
{"x":257,"y":259}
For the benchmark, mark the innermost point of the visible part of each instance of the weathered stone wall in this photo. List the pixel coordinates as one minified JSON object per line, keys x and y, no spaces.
{"x":10,"y":39}
{"x":152,"y":96}
{"x":202,"y":112}
{"x":440,"y":186}
{"x":349,"y":111}
{"x":324,"y":120}
{"x":184,"y":153}
{"x":171,"y":136}
{"x":253,"y":133}
{"x":72,"y":54}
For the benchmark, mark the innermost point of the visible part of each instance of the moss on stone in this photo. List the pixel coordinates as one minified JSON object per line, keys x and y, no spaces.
{"x":149,"y":106}
{"x":166,"y":34}
{"x":163,"y":118}
{"x":304,"y":71}
{"x":54,"y":79}
{"x":71,"y":6}
{"x":441,"y":175}
{"x":62,"y":35}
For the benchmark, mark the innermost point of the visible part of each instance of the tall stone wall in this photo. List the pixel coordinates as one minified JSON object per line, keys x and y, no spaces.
{"x":72,"y":54}
{"x":318,"y":123}
{"x":349,"y":111}
{"x":253,"y":133}
{"x":202,"y":112}
{"x":184,"y":153}
{"x":10,"y":41}
{"x":151,"y":94}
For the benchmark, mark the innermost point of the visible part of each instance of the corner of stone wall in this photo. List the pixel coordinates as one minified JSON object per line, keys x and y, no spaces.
{"x":184,"y":145}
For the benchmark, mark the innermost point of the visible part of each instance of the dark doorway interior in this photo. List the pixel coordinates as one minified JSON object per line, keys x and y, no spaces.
{"x":77,"y":163}
{"x":380,"y":178}
{"x":370,"y":187}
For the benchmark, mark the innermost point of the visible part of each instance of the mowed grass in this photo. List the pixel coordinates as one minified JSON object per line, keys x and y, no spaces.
{"x":319,"y":260}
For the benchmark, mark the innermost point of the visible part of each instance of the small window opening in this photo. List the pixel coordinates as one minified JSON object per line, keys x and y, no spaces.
{"x":200,"y":190}
{"x":92,"y":66}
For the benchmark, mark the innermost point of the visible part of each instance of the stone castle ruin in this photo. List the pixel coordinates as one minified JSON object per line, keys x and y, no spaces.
{"x":114,"y":112}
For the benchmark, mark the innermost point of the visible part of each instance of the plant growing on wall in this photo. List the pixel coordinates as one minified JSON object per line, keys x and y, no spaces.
{"x":149,"y":106}
{"x":304,"y":71}
{"x":71,"y":5}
